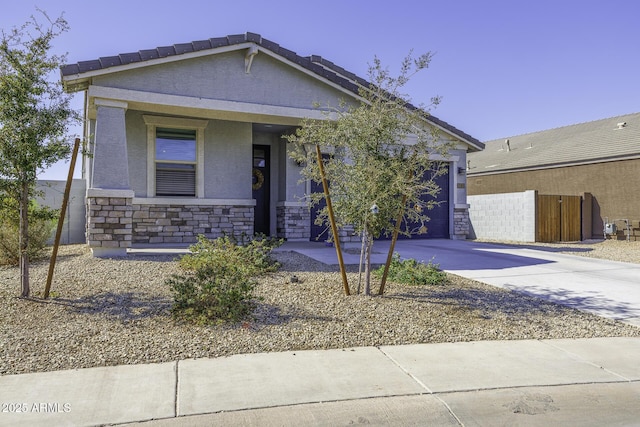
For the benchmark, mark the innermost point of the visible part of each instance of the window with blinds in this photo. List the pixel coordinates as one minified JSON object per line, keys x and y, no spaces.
{"x":175,"y":162}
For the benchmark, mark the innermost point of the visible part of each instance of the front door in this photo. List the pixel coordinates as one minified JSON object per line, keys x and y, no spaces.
{"x":260,"y":184}
{"x":319,"y":233}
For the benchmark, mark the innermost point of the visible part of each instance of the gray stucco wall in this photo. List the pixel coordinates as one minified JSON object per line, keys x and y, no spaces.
{"x":228,"y":160}
{"x":137,"y":152}
{"x":223,"y":76}
{"x":294,"y":189}
{"x":227,"y":157}
{"x":73,"y":230}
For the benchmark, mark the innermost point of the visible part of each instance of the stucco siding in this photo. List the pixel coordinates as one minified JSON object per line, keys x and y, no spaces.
{"x":227,"y":160}
{"x":137,"y":152}
{"x":294,"y":190}
{"x":223,"y":77}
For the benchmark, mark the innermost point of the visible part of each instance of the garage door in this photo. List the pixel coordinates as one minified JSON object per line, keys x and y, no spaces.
{"x":437,"y":227}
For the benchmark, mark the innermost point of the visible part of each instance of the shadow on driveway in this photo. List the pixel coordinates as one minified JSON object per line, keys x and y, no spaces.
{"x":465,"y":255}
{"x":591,"y":301}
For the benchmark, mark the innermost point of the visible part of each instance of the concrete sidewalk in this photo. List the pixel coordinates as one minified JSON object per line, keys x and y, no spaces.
{"x":549,"y":382}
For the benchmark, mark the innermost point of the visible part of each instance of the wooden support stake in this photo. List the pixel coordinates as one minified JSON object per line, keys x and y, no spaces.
{"x":394,"y":238}
{"x":334,"y":228}
{"x":63,"y":212}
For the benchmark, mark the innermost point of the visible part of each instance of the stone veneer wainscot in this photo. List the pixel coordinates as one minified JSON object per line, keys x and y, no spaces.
{"x":461,"y":222}
{"x":109,"y":221}
{"x":157,"y":222}
{"x":293,"y":221}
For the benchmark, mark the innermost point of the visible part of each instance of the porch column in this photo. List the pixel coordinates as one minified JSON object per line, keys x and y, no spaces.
{"x":109,"y":197}
{"x":461,"y":223}
{"x":110,"y":167}
{"x":293,"y":217}
{"x":293,"y":221}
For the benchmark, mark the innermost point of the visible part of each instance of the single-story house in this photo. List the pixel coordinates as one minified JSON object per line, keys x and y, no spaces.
{"x":599,"y":160}
{"x":187,"y":140}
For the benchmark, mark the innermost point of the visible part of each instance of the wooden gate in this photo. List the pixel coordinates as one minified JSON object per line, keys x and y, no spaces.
{"x":559,"y":218}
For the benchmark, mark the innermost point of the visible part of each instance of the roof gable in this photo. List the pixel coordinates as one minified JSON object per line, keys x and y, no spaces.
{"x":610,"y":139}
{"x":76,"y":76}
{"x":222,"y":77}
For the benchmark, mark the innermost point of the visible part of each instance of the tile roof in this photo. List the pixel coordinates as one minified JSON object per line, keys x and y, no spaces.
{"x":602,"y":140}
{"x":314,"y":63}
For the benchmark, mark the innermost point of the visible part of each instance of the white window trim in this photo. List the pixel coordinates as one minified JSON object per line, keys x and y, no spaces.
{"x":177,"y":123}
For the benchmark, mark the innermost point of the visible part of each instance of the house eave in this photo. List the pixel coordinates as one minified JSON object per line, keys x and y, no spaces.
{"x":204,"y":108}
{"x":81,"y":79}
{"x":471,"y":174}
{"x":476,"y":146}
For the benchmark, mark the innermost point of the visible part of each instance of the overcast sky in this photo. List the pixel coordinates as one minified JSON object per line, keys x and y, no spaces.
{"x":502,"y":67}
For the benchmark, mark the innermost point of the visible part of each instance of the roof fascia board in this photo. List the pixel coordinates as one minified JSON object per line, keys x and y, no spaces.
{"x":556,"y":165}
{"x":157,"y":61}
{"x":458,"y":137}
{"x":310,"y":73}
{"x":354,"y":95}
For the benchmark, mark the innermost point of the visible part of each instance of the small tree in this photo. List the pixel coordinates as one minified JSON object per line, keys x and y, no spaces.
{"x":42,"y":222}
{"x":382,"y":158}
{"x":34,"y":116}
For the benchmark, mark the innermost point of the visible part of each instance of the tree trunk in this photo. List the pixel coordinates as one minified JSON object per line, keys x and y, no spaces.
{"x":24,"y":240}
{"x":367,"y":265}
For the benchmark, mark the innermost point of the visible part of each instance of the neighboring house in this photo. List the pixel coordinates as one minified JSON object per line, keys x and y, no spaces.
{"x":600,"y":157}
{"x":51,"y":194}
{"x":187,"y":140}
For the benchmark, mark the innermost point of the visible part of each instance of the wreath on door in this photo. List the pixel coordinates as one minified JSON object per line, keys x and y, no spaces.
{"x":258,"y":179}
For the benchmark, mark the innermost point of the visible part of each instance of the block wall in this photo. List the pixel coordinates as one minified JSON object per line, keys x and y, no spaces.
{"x":506,"y":217}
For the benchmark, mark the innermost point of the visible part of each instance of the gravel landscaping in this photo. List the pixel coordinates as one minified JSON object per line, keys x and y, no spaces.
{"x":116,"y":311}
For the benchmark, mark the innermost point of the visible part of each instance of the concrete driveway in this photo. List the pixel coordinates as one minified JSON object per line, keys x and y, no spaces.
{"x":607,"y":288}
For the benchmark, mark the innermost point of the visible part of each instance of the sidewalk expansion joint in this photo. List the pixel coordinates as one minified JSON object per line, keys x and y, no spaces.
{"x":577,"y":357}
{"x":175,"y":395}
{"x":413,"y":377}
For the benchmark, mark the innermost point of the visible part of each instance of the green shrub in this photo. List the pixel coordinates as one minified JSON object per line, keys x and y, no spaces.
{"x":411,"y":272}
{"x":218,"y":282}
{"x":253,"y":257}
{"x":42,"y":222}
{"x":205,"y":296}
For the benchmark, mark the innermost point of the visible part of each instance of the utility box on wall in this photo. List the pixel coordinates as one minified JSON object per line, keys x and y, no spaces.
{"x":610,"y":228}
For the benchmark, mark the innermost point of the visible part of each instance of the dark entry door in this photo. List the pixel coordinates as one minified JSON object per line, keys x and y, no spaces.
{"x":260,"y":185}
{"x":318,"y":232}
